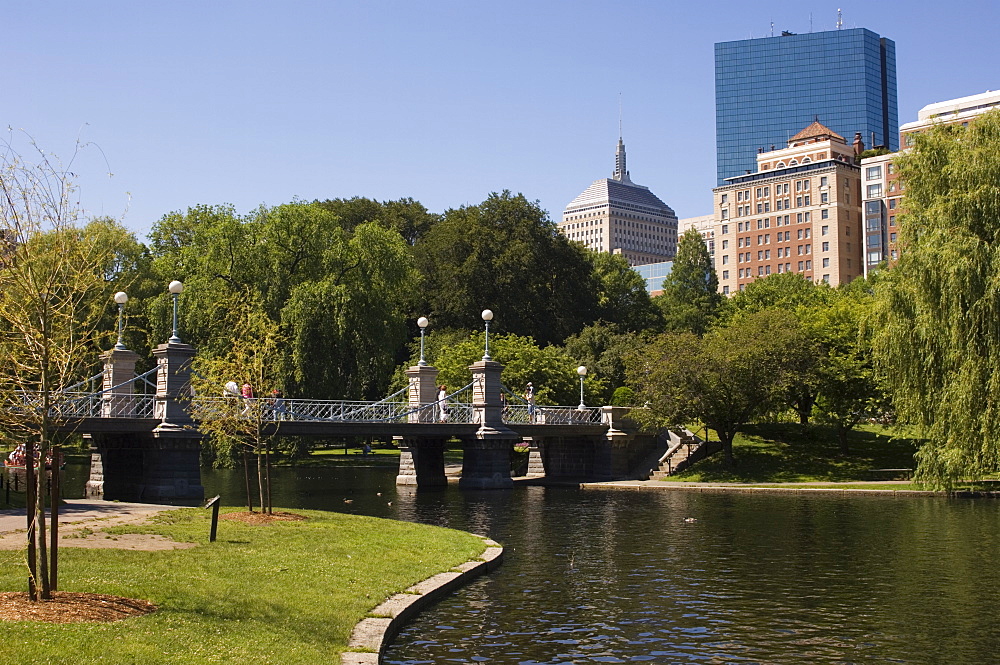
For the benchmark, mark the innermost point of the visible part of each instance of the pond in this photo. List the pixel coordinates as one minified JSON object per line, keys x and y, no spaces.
{"x":597,"y":576}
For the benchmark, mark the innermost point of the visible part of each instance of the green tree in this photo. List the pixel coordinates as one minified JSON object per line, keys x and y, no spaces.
{"x":939,"y":346}
{"x":549,"y":368}
{"x":808,"y":301}
{"x":506,"y":255}
{"x":56,"y":281}
{"x":725,"y":379}
{"x":339,"y":294}
{"x":233,"y":422}
{"x":848,"y":390}
{"x":603,"y":348}
{"x":406,"y":217}
{"x":690,"y":299}
{"x":622,"y":296}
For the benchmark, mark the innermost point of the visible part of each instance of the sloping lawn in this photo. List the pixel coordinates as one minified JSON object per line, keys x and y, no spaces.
{"x":286,"y":592}
{"x":792,"y":453}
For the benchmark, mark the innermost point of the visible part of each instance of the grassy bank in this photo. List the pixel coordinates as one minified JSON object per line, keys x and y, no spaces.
{"x":792,"y":453}
{"x":287,"y":592}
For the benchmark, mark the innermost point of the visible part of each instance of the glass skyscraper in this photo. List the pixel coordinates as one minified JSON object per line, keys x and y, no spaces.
{"x":768,"y":89}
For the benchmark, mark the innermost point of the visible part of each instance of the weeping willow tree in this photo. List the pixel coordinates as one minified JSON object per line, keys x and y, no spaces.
{"x":939,"y":349}
{"x":56,"y":281}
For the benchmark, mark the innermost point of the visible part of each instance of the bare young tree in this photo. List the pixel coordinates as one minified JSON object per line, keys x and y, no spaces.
{"x":54,"y":288}
{"x":223,"y":408}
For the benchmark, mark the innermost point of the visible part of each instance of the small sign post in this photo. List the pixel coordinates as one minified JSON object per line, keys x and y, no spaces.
{"x":213,"y":503}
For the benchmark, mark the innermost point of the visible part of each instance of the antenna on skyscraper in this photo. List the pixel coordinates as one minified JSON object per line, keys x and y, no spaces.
{"x":840,"y":19}
{"x":810,"y":21}
{"x":619,"y":116}
{"x":772,"y":28}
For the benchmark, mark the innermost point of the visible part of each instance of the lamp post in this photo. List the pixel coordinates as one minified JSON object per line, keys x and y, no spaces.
{"x":422,"y":324}
{"x":175,"y":289}
{"x":120,"y":298}
{"x":487,"y":317}
{"x":582,"y":371}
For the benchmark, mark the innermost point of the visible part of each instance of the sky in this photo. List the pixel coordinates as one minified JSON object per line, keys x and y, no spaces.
{"x":157,"y":107}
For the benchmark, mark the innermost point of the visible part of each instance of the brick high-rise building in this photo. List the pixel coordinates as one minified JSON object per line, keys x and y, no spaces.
{"x":799,"y":212}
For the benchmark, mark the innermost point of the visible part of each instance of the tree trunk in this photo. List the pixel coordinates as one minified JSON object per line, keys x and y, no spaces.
{"x":727,"y":447}
{"x":267,"y":470}
{"x":29,"y":496}
{"x":260,"y":481}
{"x":842,"y":438}
{"x":54,"y":528}
{"x":246,"y":476}
{"x":43,"y":557}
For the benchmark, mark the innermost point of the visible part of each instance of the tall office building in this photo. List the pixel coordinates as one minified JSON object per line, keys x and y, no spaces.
{"x":767,"y":89}
{"x":618,"y":216}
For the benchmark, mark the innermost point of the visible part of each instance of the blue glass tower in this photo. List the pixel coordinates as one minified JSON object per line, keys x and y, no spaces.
{"x":768,"y":89}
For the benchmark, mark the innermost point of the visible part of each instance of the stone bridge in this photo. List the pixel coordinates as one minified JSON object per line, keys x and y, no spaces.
{"x":146,"y":447}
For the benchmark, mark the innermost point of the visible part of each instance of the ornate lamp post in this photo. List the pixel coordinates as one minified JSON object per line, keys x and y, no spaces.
{"x":582,"y":371}
{"x":120,"y":298}
{"x":175,"y":289}
{"x":422,"y":324}
{"x":487,"y":317}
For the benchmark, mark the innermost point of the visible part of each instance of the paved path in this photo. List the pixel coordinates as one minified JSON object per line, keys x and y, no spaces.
{"x":85,"y":510}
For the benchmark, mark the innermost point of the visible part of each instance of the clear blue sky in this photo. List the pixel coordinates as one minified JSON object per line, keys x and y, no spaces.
{"x":262,"y":102}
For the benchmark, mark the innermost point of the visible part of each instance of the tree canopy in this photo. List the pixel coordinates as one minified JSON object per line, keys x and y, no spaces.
{"x":691,"y":298}
{"x":939,"y":346}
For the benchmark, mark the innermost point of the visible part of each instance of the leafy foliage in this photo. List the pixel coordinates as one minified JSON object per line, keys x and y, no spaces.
{"x":939,"y":349}
{"x":506,"y":255}
{"x":724,"y":379}
{"x":690,"y":299}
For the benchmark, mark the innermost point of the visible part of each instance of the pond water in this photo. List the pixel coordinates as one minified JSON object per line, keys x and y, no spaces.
{"x":684,"y":577}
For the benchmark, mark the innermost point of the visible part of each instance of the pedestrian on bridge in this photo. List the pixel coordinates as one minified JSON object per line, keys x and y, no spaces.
{"x":529,"y":397}
{"x":246,"y":392}
{"x":443,"y":403}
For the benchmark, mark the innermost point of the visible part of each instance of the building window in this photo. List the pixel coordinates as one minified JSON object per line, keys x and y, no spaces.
{"x":873,"y":173}
{"x":808,"y":232}
{"x":892,"y":220}
{"x":892,"y":204}
{"x":826,"y":279}
{"x":725,"y":244}
{"x":725,"y":274}
{"x":800,"y":266}
{"x":725,"y":198}
{"x":824,"y":230}
{"x":808,"y":249}
{"x":798,"y":201}
{"x":807,"y":199}
{"x":807,"y":221}
{"x":725,"y":259}
{"x":725,"y":229}
{"x":767,"y":270}
{"x":874,"y":191}
{"x":725,"y":290}
{"x":824,"y":214}
{"x":767,"y":255}
{"x":826,"y":263}
{"x":824,"y":198}
{"x":826,"y":246}
{"x":892,"y":237}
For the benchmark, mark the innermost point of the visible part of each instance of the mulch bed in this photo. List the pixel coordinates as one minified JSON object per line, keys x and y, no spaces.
{"x":262,"y":518}
{"x":71,"y":608}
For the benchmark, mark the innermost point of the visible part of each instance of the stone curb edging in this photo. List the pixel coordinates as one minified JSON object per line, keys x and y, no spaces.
{"x":787,"y":490}
{"x":385,"y":621}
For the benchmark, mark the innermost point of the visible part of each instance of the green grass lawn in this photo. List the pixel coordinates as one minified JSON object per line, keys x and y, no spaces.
{"x":792,"y":453}
{"x":323,"y":457}
{"x":288,"y":592}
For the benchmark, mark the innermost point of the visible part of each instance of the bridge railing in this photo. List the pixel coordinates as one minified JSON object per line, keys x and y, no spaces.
{"x":527,"y":414}
{"x":92,"y":405}
{"x":341,"y":411}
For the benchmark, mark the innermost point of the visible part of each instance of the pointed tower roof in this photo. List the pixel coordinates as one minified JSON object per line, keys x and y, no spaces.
{"x":621,"y":168}
{"x":816,"y":131}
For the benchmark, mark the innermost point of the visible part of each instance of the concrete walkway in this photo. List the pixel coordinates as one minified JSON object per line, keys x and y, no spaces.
{"x":852,"y":487}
